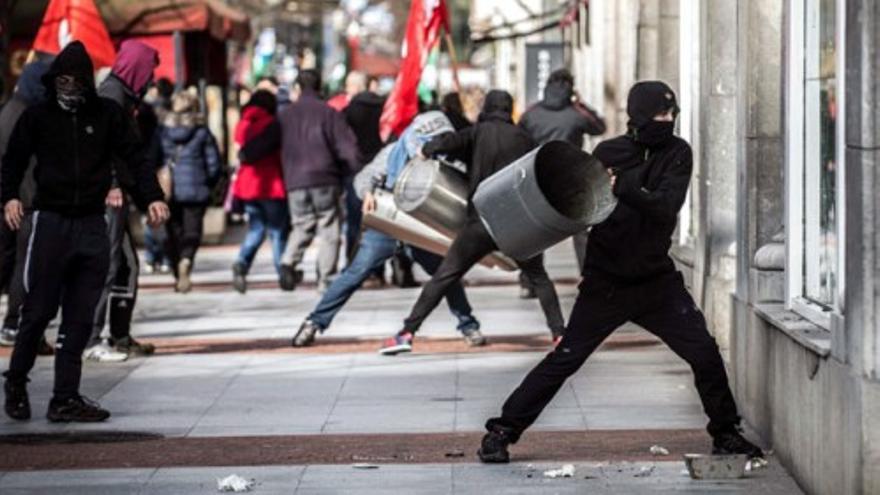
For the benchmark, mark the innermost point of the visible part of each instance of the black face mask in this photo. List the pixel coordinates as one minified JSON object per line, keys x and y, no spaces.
{"x":654,"y":133}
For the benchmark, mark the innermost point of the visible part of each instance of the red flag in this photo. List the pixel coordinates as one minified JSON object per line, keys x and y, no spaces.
{"x":426,"y":17}
{"x":69,"y":20}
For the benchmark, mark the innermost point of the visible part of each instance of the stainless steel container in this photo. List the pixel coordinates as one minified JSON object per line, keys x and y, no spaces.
{"x":390,"y":220}
{"x":434,"y":193}
{"x":547,"y":195}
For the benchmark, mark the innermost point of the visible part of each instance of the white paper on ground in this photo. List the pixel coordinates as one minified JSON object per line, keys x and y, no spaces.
{"x":235,"y":483}
{"x":566,"y":471}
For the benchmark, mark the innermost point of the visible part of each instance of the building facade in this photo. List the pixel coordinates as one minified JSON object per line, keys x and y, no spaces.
{"x":780,"y":237}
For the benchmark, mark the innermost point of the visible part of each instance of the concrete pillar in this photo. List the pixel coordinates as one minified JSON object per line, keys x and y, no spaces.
{"x":716,"y":170}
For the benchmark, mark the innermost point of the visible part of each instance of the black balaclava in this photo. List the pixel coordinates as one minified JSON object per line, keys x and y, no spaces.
{"x":70,"y":92}
{"x":497,"y":107}
{"x":647,"y":99}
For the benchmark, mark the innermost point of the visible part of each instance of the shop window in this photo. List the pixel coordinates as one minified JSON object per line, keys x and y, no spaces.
{"x":815,"y":167}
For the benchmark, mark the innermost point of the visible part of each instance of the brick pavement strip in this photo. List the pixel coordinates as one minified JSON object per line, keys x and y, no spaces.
{"x":335,"y":345}
{"x":535,"y":446}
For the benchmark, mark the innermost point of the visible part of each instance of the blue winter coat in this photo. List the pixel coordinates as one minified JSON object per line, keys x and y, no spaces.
{"x":196,"y":160}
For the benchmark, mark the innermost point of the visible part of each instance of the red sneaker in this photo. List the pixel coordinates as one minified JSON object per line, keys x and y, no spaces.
{"x":402,"y":342}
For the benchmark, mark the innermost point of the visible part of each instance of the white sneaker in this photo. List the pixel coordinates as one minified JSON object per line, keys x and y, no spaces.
{"x":103,"y":353}
{"x":7,"y":337}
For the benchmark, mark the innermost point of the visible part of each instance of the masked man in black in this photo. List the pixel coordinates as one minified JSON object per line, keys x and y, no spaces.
{"x":486,"y":148}
{"x":74,"y":135}
{"x":629,"y":276}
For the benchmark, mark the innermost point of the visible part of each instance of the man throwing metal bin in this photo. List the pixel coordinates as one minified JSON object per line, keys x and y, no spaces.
{"x":629,"y":276}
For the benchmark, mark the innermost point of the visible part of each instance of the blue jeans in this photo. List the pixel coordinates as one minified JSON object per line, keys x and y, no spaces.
{"x":374,"y":250}
{"x":154,"y":245}
{"x":265,"y":216}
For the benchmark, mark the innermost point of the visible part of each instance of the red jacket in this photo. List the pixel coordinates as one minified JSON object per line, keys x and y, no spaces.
{"x":262,"y":179}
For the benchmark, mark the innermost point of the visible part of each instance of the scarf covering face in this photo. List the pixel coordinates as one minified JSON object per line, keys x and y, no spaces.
{"x":69,"y":92}
{"x":647,"y":99}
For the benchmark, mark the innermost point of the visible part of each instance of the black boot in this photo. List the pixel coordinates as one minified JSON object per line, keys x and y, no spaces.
{"x":493,"y":448}
{"x":734,"y":443}
{"x":78,"y":409}
{"x":18,"y":405}
{"x":239,"y":277}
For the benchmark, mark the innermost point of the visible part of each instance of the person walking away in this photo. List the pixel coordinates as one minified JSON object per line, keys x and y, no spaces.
{"x":192,"y":154}
{"x":260,"y":186}
{"x":362,"y":114}
{"x":126,"y":85}
{"x":629,"y":276}
{"x":318,"y":151}
{"x":28,"y":92}
{"x":486,"y":148}
{"x":562,"y":116}
{"x":376,"y":248}
{"x":74,"y":135}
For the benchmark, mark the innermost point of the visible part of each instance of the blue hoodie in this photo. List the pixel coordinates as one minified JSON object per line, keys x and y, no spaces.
{"x":30,"y":87}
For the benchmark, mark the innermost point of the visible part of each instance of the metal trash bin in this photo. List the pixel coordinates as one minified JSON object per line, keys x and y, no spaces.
{"x":390,"y":220}
{"x":434,"y":193}
{"x":549,"y":194}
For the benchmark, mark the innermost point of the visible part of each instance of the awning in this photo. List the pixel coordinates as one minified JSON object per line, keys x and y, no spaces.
{"x":126,"y":18}
{"x":146,"y":17}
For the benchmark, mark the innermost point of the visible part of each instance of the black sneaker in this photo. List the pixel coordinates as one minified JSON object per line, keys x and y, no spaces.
{"x":734,"y":443}
{"x":493,"y":449}
{"x":289,"y":278}
{"x":305,"y":336}
{"x":18,"y":405}
{"x":239,"y":278}
{"x":77,"y":409}
{"x":127,"y":345}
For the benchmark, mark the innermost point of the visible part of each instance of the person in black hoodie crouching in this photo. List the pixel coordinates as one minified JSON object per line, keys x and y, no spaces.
{"x":629,"y":276}
{"x":74,"y":135}
{"x":486,"y":148}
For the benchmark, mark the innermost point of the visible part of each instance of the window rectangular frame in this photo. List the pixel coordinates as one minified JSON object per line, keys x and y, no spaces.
{"x":795,"y":179}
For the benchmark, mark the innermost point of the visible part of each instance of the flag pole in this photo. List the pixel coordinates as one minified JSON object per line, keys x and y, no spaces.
{"x":450,"y":47}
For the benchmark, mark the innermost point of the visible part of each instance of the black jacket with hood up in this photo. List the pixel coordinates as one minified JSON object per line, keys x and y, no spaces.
{"x":632,"y":245}
{"x":487,"y":147}
{"x":362,"y":114}
{"x":557,"y":118}
{"x":74,"y":150}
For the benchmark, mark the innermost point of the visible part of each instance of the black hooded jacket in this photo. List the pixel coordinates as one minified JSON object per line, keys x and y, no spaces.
{"x":557,"y":118}
{"x":632,"y":245}
{"x":74,"y":150}
{"x":487,"y":147}
{"x":363,"y":114}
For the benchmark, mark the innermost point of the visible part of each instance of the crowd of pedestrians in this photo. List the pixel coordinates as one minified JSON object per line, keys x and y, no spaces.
{"x":76,"y":156}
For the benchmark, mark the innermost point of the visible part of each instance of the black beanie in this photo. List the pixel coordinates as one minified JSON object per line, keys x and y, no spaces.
{"x":647,"y":99}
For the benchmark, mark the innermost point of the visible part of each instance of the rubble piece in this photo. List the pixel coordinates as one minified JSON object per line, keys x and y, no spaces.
{"x":454,"y":453}
{"x":658,"y":450}
{"x":756,"y":463}
{"x":645,"y":471}
{"x":364,"y":465}
{"x":235,"y":483}
{"x":715,"y":467}
{"x":566,"y":471}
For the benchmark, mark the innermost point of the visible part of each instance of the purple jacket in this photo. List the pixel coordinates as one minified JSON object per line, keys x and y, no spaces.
{"x":318,"y":148}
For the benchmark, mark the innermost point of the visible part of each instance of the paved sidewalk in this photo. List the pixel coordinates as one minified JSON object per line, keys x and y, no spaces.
{"x":226,"y":394}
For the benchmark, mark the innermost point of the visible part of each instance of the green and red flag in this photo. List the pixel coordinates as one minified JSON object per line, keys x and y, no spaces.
{"x":426,"y":19}
{"x":69,"y":20}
